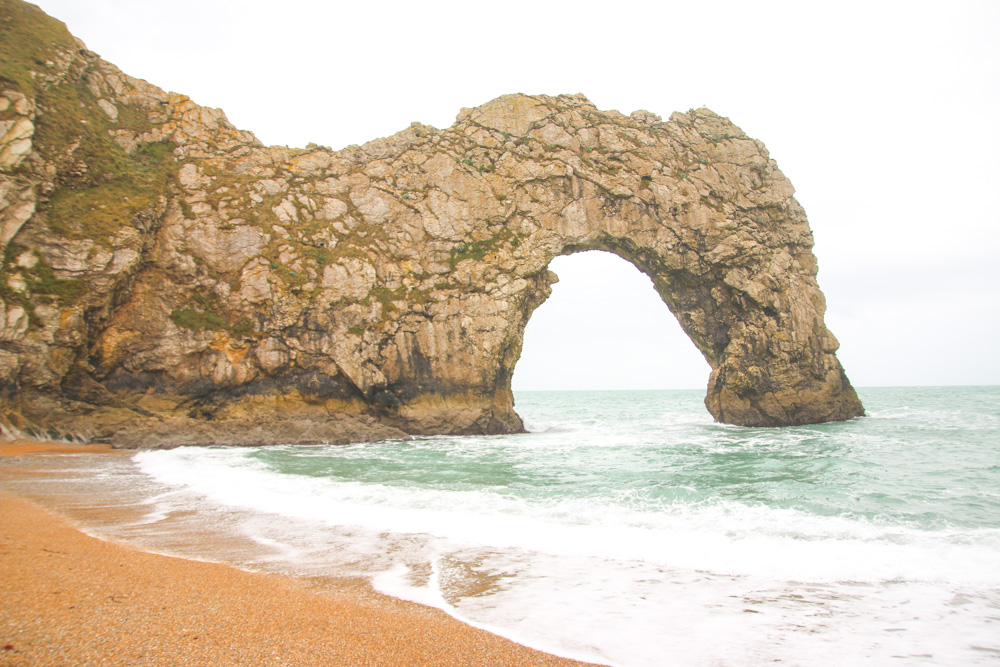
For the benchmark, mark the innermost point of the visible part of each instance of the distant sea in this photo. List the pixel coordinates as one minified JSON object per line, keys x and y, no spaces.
{"x":626,"y":528}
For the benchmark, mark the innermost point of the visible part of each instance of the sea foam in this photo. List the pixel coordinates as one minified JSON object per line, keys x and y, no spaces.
{"x":630,"y":530}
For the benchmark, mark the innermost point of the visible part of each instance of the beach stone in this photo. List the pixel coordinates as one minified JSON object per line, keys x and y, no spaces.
{"x":393,"y":280}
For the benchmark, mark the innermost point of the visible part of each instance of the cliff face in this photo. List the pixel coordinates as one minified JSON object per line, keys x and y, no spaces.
{"x":167,"y":278}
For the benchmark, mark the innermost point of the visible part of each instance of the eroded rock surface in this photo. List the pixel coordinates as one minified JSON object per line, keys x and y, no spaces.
{"x":162,"y":268}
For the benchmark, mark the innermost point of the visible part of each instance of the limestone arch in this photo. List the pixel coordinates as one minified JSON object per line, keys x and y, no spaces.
{"x":771,"y":357}
{"x":698,"y":207}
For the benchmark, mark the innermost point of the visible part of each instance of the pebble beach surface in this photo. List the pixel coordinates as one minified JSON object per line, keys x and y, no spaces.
{"x":69,"y":598}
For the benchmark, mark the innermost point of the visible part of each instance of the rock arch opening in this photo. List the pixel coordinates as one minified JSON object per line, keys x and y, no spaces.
{"x":605,"y":327}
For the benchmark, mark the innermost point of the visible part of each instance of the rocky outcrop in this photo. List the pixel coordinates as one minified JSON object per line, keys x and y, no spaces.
{"x":164,"y":271}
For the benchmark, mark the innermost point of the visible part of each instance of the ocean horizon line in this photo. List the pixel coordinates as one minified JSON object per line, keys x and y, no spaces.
{"x":870,"y":386}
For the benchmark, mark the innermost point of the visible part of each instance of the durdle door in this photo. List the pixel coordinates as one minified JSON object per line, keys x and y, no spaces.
{"x":167,"y":279}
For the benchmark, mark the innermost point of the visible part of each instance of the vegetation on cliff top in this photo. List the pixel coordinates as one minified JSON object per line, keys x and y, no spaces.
{"x":28,"y":40}
{"x":102,"y":187}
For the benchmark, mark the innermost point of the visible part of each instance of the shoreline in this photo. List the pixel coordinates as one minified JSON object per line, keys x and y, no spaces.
{"x":70,"y":598}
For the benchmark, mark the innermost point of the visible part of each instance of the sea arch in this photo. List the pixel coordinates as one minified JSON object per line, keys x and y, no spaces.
{"x":761,"y":331}
{"x":693,"y":203}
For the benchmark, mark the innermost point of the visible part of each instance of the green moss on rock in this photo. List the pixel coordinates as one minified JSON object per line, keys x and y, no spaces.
{"x":197,"y":320}
{"x":478,"y":250}
{"x":98,"y":208}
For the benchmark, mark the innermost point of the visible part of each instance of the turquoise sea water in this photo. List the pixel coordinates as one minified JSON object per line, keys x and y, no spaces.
{"x":629,"y":529}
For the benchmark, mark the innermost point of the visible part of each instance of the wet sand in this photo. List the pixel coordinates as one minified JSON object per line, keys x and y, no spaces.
{"x":69,"y":598}
{"x":21,"y":447}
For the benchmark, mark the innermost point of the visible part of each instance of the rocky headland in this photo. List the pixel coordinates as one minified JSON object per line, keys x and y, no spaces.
{"x":167,"y":279}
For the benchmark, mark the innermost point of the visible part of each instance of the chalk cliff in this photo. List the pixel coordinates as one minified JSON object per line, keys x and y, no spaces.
{"x":167,"y":278}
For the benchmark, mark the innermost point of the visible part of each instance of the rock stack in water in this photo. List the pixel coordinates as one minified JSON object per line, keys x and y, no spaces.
{"x":168,"y":279}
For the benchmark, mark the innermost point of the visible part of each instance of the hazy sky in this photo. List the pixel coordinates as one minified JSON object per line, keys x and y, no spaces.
{"x":884,"y":115}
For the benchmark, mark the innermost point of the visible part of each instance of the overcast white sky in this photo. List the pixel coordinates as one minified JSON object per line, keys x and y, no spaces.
{"x":884,"y":115}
